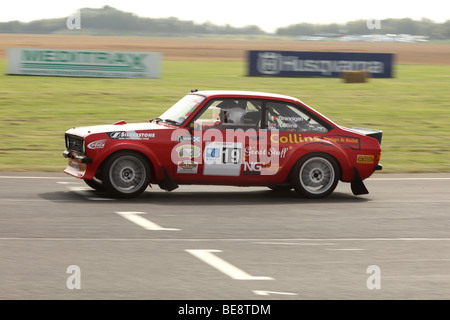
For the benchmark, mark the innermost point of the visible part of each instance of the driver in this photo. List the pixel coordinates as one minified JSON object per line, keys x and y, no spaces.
{"x":231,"y":112}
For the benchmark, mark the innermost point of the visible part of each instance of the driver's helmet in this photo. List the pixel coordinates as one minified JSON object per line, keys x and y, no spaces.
{"x":231,"y":112}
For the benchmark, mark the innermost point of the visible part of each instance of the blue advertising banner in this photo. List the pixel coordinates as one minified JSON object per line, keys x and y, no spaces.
{"x":318,"y":64}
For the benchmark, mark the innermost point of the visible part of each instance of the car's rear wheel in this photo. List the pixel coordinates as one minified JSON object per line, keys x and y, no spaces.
{"x":315,"y":175}
{"x":126,"y":174}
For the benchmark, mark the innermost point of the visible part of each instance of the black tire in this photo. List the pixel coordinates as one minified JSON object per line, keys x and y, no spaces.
{"x":126,"y":174}
{"x":95,"y":184}
{"x":280,"y":187}
{"x":315,"y":175}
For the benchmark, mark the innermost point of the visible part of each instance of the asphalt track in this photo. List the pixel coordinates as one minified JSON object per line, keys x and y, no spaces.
{"x":224,"y":242}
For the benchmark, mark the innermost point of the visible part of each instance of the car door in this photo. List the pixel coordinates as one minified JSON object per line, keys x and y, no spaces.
{"x":227,"y":133}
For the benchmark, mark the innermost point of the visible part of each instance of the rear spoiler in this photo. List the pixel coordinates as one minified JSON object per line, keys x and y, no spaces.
{"x":377,"y":134}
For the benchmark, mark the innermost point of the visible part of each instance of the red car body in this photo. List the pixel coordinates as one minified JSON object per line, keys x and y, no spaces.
{"x":171,"y":151}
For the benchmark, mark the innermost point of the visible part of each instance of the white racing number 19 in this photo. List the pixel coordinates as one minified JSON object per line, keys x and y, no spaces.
{"x":230,"y":155}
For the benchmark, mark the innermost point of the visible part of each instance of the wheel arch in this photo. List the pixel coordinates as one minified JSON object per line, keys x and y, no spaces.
{"x":325,"y":147}
{"x":145,"y":156}
{"x":316,"y":153}
{"x":145,"y":153}
{"x":306,"y":188}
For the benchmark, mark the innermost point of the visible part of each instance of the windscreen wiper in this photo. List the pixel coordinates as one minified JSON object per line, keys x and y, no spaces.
{"x":171,"y":122}
{"x":165,"y":120}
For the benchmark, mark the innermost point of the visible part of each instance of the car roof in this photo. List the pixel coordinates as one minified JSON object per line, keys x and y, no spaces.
{"x":254,"y":95}
{"x":247,"y":94}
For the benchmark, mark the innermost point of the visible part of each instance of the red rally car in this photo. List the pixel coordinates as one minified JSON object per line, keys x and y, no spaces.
{"x":234,"y":138}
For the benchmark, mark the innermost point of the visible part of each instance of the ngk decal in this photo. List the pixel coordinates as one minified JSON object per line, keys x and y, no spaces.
{"x":99,"y":144}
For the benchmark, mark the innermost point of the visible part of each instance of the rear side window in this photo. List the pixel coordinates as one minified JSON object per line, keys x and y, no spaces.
{"x":289,"y":118}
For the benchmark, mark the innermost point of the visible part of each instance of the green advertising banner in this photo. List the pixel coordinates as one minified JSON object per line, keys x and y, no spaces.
{"x":84,"y":63}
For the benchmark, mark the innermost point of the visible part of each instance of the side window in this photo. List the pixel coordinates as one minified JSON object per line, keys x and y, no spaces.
{"x":288,"y":118}
{"x":231,"y":114}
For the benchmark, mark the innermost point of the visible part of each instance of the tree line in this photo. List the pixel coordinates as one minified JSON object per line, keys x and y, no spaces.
{"x":110,"y":21}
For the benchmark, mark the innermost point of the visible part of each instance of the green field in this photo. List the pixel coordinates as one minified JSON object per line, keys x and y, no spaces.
{"x":412,"y":109}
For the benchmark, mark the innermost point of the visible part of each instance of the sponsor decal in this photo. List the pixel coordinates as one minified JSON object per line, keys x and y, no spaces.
{"x":212,"y":153}
{"x":188,"y":138}
{"x":344,"y":141}
{"x":325,"y":64}
{"x":187,"y":167}
{"x":84,"y":63}
{"x":252,"y":168}
{"x":292,"y":138}
{"x":99,"y":144}
{"x":365,"y":159}
{"x":295,"y":119}
{"x":130,"y":135}
{"x":188,"y":151}
{"x":250,"y":151}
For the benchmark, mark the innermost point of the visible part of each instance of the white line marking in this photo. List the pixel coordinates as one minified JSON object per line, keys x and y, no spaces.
{"x":219,"y":239}
{"x":28,"y":177}
{"x":299,"y":243}
{"x":144,"y":223}
{"x":349,"y":249}
{"x":233,"y":272}
{"x":266,"y":293}
{"x":402,"y":179}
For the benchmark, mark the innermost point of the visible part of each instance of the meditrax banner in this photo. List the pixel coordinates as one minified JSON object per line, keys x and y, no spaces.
{"x":84,"y":63}
{"x":318,"y":64}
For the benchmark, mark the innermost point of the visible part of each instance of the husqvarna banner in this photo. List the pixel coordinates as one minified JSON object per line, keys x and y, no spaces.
{"x":318,"y":64}
{"x":84,"y":63}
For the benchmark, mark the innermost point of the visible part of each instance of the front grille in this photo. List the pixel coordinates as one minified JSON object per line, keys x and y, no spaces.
{"x":74,"y":143}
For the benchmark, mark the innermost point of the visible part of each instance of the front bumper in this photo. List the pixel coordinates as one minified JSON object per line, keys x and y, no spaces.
{"x":77,"y":163}
{"x":74,"y":156}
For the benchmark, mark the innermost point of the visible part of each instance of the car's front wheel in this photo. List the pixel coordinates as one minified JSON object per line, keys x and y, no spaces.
{"x":95,"y":184}
{"x":280,"y":187}
{"x":315,"y":175}
{"x":126,"y":174}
